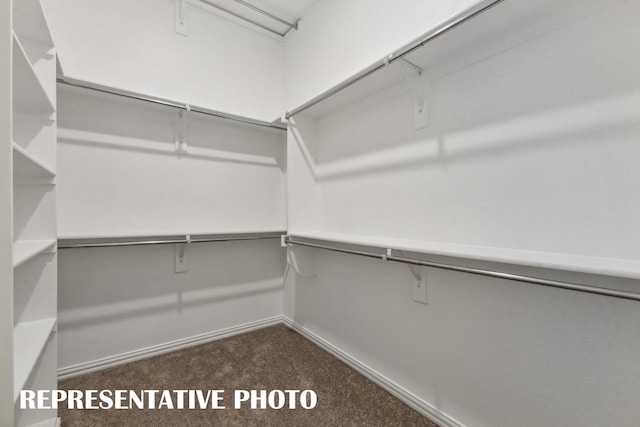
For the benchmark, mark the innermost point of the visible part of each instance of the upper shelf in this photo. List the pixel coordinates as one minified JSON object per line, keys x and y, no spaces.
{"x":28,"y":90}
{"x":615,"y":267}
{"x":487,"y":20}
{"x":168,"y":103}
{"x":29,"y":21}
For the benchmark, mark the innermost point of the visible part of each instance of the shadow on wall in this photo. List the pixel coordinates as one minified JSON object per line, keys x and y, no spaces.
{"x":111,"y":122}
{"x":531,"y":88}
{"x":105,"y":285}
{"x":120,"y":173}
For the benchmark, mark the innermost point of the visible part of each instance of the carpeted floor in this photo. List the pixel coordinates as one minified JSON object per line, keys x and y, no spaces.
{"x":274,"y":358}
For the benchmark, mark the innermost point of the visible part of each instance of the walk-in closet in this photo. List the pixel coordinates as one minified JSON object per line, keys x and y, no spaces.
{"x":320,"y":212}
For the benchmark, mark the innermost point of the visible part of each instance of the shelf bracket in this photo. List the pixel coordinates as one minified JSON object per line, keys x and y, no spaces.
{"x":181,"y":255}
{"x":181,"y":18}
{"x":182,"y":132}
{"x":412,"y":77}
{"x":301,"y":258}
{"x":418,"y":281}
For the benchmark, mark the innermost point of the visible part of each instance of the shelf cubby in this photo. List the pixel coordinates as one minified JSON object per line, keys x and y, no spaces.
{"x":28,"y":89}
{"x":28,"y":168}
{"x":23,"y":251}
{"x":29,"y":341}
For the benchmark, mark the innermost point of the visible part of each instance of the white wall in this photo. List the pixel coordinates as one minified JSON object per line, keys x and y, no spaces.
{"x":486,"y":352}
{"x":119,"y":173}
{"x":532,"y":145}
{"x":104,"y":292}
{"x":119,"y":176}
{"x":338,"y":38}
{"x":132,"y":45}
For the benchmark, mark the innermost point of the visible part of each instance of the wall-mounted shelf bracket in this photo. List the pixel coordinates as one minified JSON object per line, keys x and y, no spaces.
{"x":412,"y":77}
{"x":419,"y":286}
{"x":181,"y":255}
{"x":301,"y":258}
{"x":418,"y":281}
{"x":181,"y":18}
{"x":182,"y":131}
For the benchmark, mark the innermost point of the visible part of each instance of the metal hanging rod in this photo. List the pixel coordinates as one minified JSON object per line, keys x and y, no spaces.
{"x":265,"y":13}
{"x":481,"y":272}
{"x":397,"y":55}
{"x":163,"y":240}
{"x":256,"y":9}
{"x":166,"y":102}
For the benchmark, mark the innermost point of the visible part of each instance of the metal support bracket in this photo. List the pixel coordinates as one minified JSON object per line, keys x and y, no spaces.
{"x":181,"y":18}
{"x":302,"y":259}
{"x":418,"y":281}
{"x":181,"y":255}
{"x":182,"y":131}
{"x":412,"y":77}
{"x":419,"y":286}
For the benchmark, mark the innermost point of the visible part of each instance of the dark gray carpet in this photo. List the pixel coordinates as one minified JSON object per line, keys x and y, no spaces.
{"x":270,"y":358}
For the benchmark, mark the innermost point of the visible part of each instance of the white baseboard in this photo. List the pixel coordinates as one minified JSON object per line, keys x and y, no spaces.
{"x":120,"y":359}
{"x":393,"y":388}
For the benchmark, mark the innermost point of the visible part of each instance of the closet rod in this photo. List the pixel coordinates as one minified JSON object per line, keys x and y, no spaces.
{"x":257,"y":9}
{"x":397,"y":55}
{"x":161,"y":101}
{"x":164,"y":240}
{"x":490,"y":273}
{"x":265,"y":13}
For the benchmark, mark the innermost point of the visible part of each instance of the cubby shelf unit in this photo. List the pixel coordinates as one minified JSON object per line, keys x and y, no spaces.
{"x":29,"y":341}
{"x":31,"y":158}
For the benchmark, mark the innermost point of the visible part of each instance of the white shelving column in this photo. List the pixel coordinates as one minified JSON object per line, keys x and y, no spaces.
{"x":28,"y":295}
{"x":6,"y":183}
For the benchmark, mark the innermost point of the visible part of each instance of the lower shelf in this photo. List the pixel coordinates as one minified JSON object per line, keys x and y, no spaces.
{"x":27,"y":249}
{"x":29,"y":340}
{"x":615,"y":267}
{"x":51,"y":422}
{"x":27,"y":167}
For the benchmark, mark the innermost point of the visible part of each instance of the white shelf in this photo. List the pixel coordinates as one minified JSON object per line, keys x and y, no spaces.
{"x":33,"y":143}
{"x":111,"y":235}
{"x":27,"y":249}
{"x":29,"y":340}
{"x":28,"y":90}
{"x":616,"y":267}
{"x":474,"y":35}
{"x":27,"y":167}
{"x":29,"y":20}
